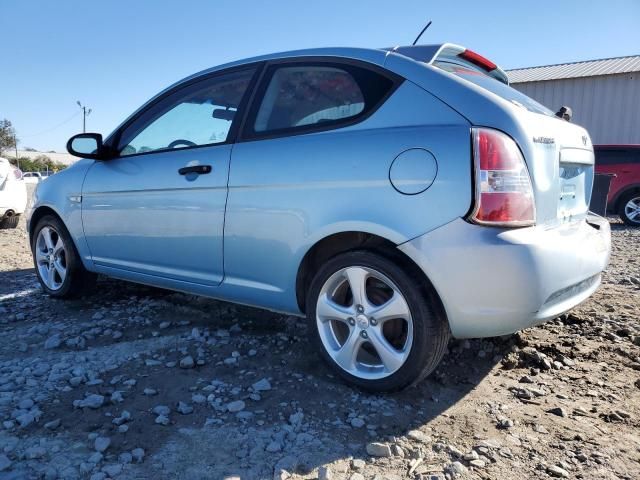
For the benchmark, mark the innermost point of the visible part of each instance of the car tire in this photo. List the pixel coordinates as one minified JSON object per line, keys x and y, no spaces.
{"x":10,"y":222}
{"x":385,"y":284}
{"x":625,"y":208}
{"x":58,"y":266}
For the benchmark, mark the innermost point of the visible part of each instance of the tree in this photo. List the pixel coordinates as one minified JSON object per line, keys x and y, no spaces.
{"x":7,"y":136}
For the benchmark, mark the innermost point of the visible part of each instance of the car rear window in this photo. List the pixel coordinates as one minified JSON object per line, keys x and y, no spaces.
{"x":308,"y":96}
{"x":615,"y":156}
{"x":480,"y":78}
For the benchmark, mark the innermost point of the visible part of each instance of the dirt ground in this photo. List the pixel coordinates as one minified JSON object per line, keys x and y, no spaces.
{"x":134,"y":382}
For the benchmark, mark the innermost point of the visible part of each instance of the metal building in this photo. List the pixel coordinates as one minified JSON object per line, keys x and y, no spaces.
{"x":604,"y":95}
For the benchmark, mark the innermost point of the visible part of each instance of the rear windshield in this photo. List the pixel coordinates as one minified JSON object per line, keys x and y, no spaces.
{"x":476,"y":76}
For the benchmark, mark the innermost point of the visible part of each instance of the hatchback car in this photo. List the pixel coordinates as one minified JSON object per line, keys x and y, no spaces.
{"x":623,"y":162}
{"x":394,"y":197}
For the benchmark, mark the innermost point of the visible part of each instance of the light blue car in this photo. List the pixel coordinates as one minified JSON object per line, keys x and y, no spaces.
{"x":394,"y":197}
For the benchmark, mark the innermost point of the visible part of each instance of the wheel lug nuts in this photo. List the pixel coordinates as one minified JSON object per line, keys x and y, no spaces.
{"x":360,"y":308}
{"x":363,"y":334}
{"x":352,"y":321}
{"x":373,"y":322}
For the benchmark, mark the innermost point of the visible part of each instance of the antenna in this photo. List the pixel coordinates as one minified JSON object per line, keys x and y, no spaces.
{"x":423,"y":30}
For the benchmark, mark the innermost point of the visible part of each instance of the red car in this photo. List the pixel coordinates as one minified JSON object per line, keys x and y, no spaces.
{"x":624,"y":162}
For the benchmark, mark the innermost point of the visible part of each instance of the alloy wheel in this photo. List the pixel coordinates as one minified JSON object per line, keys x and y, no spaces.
{"x":364,"y":322}
{"x":632,"y":210}
{"x":51,"y":258}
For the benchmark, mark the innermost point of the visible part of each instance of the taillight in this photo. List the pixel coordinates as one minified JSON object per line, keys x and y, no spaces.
{"x":479,"y":60}
{"x":504,"y":196}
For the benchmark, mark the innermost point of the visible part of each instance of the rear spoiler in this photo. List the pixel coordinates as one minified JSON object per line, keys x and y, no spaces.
{"x":453,"y":54}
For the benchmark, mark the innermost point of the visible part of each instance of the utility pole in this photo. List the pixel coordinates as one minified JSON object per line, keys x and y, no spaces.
{"x":15,"y":144}
{"x":85,"y":112}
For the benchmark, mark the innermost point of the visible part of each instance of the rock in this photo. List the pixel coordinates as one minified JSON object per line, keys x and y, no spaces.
{"x":198,"y":398}
{"x":53,"y":424}
{"x":187,"y":362}
{"x":324,"y":473}
{"x":378,"y":449}
{"x":137,"y":454}
{"x":456,"y":469}
{"x":356,"y":476}
{"x":54,"y":341}
{"x":558,"y":472}
{"x":25,"y":419}
{"x":125,"y":416}
{"x":559,"y":411}
{"x":184,"y":408}
{"x":92,"y":401}
{"x":357,"y":422}
{"x":25,"y":404}
{"x":358,"y":464}
{"x":123,"y":428}
{"x":112,"y":470}
{"x":101,"y":444}
{"x":477,"y":463}
{"x":505,"y":423}
{"x":161,"y":410}
{"x":164,"y":325}
{"x":261,"y":385}
{"x":419,"y":436}
{"x":5,"y":463}
{"x":149,"y":392}
{"x":162,"y":420}
{"x":236,"y":406}
{"x":98,"y":476}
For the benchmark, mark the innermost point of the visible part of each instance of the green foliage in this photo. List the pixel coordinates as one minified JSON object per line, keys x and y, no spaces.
{"x":7,"y":136}
{"x":40,"y":163}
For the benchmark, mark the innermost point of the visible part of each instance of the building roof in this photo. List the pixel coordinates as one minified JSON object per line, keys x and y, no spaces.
{"x":588,"y":68}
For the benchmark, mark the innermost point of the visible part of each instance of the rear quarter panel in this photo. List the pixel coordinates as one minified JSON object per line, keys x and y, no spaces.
{"x":286,"y":194}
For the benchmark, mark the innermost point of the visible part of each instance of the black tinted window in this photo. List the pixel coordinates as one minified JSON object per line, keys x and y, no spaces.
{"x":306,"y":96}
{"x":611,"y":156}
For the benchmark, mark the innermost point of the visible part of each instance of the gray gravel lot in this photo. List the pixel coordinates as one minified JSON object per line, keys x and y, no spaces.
{"x":135,"y":382}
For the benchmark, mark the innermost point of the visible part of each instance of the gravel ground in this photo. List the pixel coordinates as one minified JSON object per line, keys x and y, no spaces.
{"x":135,"y":382}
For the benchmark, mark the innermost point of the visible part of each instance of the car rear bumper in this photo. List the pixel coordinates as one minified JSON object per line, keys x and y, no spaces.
{"x":495,"y":281}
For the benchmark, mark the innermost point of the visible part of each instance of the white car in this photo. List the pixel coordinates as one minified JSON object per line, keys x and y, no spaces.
{"x":13,"y":195}
{"x":33,"y":177}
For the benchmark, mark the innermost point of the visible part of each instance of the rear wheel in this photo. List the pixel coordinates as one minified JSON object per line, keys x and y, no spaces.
{"x":58,"y":265}
{"x":373,"y":324}
{"x":629,"y":208}
{"x":10,"y":222}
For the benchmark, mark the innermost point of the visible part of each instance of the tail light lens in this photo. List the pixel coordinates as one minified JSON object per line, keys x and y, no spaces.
{"x":504,"y":196}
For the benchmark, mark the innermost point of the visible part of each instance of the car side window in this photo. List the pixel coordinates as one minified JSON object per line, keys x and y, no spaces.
{"x":300,"y":97}
{"x":615,"y":157}
{"x":199,"y":114}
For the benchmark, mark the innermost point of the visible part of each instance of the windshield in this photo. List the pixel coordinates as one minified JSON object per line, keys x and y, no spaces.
{"x":494,"y":86}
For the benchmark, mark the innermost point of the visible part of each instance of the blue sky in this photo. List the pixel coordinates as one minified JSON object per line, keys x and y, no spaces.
{"x":113,"y":55}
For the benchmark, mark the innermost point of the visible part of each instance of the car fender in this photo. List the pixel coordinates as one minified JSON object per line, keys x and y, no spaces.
{"x":62,"y":194}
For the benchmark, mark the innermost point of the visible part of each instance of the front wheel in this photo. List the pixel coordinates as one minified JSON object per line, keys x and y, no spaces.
{"x":56,"y":260}
{"x":629,"y":210}
{"x":374,"y":324}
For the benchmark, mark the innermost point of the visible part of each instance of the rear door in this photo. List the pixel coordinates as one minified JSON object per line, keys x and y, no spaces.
{"x":157,"y":209}
{"x":622,"y":162}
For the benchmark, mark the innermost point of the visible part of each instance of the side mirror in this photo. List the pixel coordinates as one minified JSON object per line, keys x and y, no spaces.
{"x":87,"y":145}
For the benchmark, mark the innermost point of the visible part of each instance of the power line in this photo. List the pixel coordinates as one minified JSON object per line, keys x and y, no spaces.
{"x":53,"y":128}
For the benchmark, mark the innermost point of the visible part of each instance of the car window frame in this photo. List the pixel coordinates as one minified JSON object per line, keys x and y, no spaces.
{"x":247,"y":132}
{"x":114,"y":140}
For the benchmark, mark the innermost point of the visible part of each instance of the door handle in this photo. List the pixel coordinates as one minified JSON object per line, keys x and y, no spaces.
{"x":199,"y":169}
